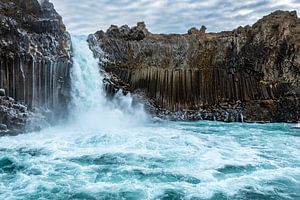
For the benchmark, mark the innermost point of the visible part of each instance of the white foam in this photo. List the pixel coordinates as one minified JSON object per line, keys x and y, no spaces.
{"x":218,"y":157}
{"x":41,"y":1}
{"x":297,"y":126}
{"x":90,"y":108}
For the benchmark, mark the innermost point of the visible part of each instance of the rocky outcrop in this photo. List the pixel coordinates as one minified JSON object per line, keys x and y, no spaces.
{"x":34,"y":56}
{"x":14,"y":116}
{"x":251,"y":73}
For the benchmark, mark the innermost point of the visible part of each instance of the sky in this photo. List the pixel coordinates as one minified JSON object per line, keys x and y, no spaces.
{"x":166,"y":16}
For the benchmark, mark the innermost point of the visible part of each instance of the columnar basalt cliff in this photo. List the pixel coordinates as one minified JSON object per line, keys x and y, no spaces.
{"x":34,"y":57}
{"x":250,"y":73}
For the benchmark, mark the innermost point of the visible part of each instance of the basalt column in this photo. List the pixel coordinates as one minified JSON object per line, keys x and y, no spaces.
{"x":251,"y":73}
{"x":35,"y":57}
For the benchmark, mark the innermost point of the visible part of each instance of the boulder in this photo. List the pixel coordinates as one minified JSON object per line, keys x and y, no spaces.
{"x":202,"y":29}
{"x":193,"y":30}
{"x":2,"y":93}
{"x":3,"y":127}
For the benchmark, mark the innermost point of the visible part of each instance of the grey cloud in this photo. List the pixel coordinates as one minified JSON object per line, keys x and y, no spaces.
{"x":166,"y":16}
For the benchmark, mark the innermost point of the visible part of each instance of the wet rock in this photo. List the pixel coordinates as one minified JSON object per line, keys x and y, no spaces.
{"x":2,"y":93}
{"x":222,"y":74}
{"x":13,"y":116}
{"x":3,"y":127}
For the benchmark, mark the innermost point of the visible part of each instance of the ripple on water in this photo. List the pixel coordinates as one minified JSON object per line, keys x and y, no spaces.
{"x":125,"y":194}
{"x":235,"y":162}
{"x":118,"y":159}
{"x":33,"y":152}
{"x":9,"y":165}
{"x":171,"y":194}
{"x":115,"y":175}
{"x":231,"y":169}
{"x":274,"y":193}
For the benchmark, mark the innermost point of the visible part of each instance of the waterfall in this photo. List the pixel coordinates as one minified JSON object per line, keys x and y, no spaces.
{"x":89,"y":107}
{"x":242,"y":117}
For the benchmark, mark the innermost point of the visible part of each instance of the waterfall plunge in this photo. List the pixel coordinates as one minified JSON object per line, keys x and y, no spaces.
{"x":89,"y":108}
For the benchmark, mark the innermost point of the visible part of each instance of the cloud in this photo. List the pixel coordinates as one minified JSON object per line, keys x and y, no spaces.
{"x":166,"y":16}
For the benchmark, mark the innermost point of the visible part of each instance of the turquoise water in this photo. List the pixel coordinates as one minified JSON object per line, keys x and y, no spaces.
{"x":159,"y":160}
{"x":114,"y":150}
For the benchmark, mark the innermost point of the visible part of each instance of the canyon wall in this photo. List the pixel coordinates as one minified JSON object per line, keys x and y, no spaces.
{"x":34,"y":58}
{"x":251,"y":73}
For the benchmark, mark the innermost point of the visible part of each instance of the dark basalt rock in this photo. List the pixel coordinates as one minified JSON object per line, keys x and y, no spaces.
{"x":2,"y":93}
{"x":13,"y":116}
{"x":34,"y":57}
{"x":250,"y":73}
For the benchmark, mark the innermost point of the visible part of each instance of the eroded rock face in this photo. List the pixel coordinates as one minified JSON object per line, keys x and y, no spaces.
{"x":34,"y":55}
{"x":13,"y":116}
{"x":250,"y":73}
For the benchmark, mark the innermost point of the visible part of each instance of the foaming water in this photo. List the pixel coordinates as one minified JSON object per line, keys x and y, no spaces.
{"x":165,"y":160}
{"x":109,"y":150}
{"x":90,"y":108}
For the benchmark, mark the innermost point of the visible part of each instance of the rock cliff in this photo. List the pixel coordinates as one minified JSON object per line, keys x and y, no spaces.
{"x":251,"y":73}
{"x":34,"y":56}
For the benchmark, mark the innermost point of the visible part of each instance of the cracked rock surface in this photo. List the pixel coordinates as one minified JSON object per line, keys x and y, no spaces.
{"x":34,"y":61}
{"x":251,"y":73}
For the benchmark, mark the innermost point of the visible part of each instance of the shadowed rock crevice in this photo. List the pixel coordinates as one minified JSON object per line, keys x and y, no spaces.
{"x":250,"y":73}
